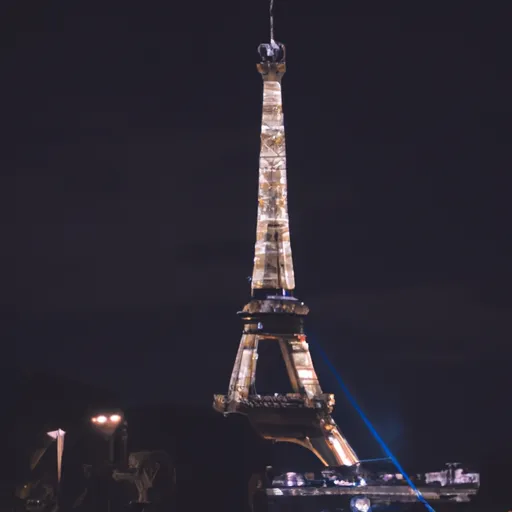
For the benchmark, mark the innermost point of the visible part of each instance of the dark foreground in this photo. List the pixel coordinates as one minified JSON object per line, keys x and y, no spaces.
{"x":214,"y":457}
{"x":328,"y":504}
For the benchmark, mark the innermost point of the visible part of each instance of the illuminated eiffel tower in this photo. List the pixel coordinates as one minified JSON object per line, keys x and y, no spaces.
{"x":273,"y":313}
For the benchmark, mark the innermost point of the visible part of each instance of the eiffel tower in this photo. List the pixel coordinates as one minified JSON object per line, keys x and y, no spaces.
{"x":274,"y":313}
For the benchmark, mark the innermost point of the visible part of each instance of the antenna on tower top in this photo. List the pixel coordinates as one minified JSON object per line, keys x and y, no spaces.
{"x":273,"y":51}
{"x":271,"y":21}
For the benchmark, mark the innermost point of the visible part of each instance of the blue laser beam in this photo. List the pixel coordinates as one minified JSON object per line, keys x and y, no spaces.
{"x":371,"y":428}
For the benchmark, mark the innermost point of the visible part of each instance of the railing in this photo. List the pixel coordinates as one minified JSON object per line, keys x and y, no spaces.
{"x":279,"y":401}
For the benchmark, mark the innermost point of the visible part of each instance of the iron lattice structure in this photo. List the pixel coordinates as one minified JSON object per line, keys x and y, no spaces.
{"x":273,"y":264}
{"x":304,"y":416}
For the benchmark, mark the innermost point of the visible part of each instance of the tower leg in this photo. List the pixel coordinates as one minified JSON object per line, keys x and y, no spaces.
{"x":299,"y":365}
{"x":243,"y":377}
{"x":302,"y":417}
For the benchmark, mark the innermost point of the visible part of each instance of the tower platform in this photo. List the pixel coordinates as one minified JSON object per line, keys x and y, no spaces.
{"x":382,"y":499}
{"x":295,"y":492}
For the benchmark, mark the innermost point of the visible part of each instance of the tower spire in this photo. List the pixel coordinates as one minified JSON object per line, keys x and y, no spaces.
{"x":273,"y":265}
{"x":271,"y":20}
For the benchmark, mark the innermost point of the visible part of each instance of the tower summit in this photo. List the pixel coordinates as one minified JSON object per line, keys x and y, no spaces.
{"x":273,"y":314}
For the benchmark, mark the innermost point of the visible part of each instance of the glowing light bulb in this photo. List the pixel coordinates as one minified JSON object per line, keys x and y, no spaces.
{"x":360,"y":504}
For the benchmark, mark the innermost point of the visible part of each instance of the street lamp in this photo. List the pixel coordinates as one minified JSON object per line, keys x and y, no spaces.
{"x":107,"y":424}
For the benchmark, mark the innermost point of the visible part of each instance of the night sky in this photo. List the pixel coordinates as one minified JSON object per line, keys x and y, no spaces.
{"x":133,"y":138}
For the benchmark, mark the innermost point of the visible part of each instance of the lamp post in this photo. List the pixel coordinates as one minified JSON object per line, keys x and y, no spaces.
{"x":107,"y":424}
